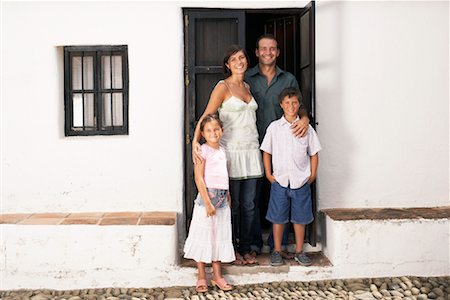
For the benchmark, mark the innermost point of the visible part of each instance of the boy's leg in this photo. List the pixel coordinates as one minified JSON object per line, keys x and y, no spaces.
{"x":277,"y":236}
{"x":299,"y":230}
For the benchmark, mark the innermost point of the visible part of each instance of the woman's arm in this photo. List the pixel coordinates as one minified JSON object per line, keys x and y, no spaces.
{"x":199,"y":171}
{"x":214,"y":102}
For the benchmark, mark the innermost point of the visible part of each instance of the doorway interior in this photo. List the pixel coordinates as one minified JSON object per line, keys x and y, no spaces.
{"x":209,"y":32}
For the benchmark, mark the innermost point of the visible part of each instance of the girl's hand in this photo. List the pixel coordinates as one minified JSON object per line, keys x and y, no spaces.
{"x":196,"y":153}
{"x":210,"y":210}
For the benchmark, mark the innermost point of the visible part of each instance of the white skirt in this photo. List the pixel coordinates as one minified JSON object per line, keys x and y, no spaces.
{"x":209,"y":238}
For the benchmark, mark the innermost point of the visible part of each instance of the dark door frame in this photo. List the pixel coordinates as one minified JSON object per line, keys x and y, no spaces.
{"x":190,"y":15}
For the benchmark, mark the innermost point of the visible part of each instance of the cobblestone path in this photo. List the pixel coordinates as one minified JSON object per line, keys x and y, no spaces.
{"x":408,"y":288}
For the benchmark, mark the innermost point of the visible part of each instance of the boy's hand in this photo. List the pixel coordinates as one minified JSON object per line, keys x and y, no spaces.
{"x":210,"y":210}
{"x":311,"y":179}
{"x":271,"y":178}
{"x":300,"y":127}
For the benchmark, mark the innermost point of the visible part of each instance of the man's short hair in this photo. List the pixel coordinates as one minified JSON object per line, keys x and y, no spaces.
{"x":290,"y":92}
{"x":266,"y":36}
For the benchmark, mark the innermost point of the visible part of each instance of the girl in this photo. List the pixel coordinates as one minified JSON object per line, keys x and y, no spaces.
{"x":209,"y":239}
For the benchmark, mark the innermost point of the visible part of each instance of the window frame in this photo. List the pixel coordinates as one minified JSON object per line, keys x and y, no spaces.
{"x":96,"y":52}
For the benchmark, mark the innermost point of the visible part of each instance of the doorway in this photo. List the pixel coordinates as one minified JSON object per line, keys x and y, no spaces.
{"x":207,"y":35}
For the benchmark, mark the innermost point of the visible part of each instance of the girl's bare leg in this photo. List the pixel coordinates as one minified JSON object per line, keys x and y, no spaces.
{"x":201,"y":270}
{"x":217,"y":270}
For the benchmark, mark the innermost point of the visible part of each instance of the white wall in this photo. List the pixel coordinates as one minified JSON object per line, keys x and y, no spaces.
{"x":45,"y":171}
{"x":382,"y":104}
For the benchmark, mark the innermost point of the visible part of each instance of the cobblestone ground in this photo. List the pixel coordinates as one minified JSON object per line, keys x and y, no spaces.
{"x":409,"y":288}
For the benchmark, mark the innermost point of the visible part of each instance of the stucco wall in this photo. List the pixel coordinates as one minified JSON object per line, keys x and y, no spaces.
{"x":382,"y":105}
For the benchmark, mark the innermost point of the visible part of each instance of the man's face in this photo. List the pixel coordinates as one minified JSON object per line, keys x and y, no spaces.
{"x":267,"y":52}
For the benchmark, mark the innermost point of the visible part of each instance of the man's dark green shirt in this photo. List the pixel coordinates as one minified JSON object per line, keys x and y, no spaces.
{"x":266,"y":96}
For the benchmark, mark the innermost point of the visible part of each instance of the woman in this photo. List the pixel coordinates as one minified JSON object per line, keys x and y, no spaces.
{"x":231,"y":98}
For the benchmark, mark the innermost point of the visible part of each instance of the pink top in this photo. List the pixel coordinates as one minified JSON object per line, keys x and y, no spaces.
{"x":216,"y":174}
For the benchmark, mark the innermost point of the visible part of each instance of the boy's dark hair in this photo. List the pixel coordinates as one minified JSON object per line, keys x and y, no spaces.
{"x":290,"y":92}
{"x":209,"y":118}
{"x":266,"y":36}
{"x":231,"y":51}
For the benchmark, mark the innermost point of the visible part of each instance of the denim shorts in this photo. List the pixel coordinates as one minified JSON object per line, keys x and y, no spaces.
{"x":219,"y":198}
{"x":284,"y":200}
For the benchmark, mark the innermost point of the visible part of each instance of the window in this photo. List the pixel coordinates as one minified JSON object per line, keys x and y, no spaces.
{"x":96,"y":90}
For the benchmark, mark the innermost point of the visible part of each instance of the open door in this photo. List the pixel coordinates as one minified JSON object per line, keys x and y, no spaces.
{"x":209,"y":32}
{"x":307,"y":82}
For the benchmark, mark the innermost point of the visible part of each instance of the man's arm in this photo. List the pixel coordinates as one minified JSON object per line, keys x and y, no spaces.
{"x":300,"y":128}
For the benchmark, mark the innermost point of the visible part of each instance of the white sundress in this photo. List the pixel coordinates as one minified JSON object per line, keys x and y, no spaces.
{"x":240,"y":138}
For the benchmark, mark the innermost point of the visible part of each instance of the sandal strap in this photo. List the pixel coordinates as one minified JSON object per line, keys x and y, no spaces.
{"x":201,"y":282}
{"x":221,"y":282}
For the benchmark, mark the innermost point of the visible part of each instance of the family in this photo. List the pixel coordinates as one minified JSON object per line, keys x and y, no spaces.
{"x":248,"y":113}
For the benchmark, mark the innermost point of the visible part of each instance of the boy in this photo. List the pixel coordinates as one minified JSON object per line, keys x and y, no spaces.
{"x":294,"y":161}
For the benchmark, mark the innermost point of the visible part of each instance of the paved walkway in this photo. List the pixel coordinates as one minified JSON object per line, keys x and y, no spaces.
{"x":409,"y":288}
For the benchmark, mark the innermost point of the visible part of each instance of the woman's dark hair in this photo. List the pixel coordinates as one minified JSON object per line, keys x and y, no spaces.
{"x":209,"y":118}
{"x":290,"y":92}
{"x":231,"y":51}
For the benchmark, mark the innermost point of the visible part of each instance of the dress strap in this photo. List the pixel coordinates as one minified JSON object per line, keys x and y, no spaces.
{"x":228,"y":87}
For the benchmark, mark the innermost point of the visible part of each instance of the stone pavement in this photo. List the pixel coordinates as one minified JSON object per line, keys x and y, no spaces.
{"x":408,"y":288}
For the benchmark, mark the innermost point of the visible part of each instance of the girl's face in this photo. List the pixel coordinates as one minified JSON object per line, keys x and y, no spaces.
{"x":237,"y":63}
{"x":212,"y":132}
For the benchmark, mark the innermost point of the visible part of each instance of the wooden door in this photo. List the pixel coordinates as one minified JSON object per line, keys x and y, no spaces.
{"x":208,"y":34}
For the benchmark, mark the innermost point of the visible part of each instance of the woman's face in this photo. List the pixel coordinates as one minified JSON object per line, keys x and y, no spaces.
{"x":237,"y":63}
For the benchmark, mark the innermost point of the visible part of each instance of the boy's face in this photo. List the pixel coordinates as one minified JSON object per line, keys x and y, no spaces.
{"x":290,"y":106}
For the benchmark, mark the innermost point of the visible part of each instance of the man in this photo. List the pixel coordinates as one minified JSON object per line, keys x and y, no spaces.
{"x":266,"y":82}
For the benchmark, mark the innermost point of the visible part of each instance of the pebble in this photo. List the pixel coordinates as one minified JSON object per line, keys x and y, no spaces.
{"x":422,"y":297}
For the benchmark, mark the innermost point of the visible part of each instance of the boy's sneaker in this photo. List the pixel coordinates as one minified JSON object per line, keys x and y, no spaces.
{"x":276,"y":259}
{"x":302,"y":259}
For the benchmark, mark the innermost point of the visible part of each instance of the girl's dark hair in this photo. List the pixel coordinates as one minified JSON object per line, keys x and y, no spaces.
{"x":209,"y":118}
{"x":231,"y":51}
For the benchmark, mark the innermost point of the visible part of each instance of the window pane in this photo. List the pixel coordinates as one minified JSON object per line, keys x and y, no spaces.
{"x":117,"y":109}
{"x":88,"y":72}
{"x":117,"y":71}
{"x":106,"y":118}
{"x":89,"y":110}
{"x":112,"y":69}
{"x":76,"y":73}
{"x":77,"y":110}
{"x":106,"y":72}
